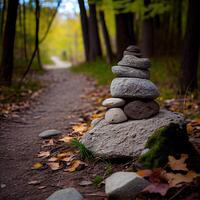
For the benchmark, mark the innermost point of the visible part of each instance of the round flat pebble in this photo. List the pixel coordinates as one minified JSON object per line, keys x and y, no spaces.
{"x":122,"y":71}
{"x":113,"y":102}
{"x":133,"y":61}
{"x":49,"y":133}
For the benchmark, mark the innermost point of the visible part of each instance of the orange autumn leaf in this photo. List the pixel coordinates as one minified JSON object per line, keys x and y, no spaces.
{"x":144,"y":172}
{"x":178,"y":164}
{"x":75,"y":166}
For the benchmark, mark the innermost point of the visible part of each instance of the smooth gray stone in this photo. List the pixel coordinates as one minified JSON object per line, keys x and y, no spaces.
{"x":126,"y":139}
{"x":49,"y":133}
{"x":113,"y":102}
{"x":66,"y":194}
{"x":133,"y":61}
{"x":123,"y":71}
{"x":133,"y":88}
{"x":133,"y":48}
{"x":141,"y":109}
{"x":124,"y":185}
{"x":115,"y":115}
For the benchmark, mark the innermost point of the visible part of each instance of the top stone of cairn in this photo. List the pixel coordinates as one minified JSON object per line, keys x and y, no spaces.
{"x":133,"y":50}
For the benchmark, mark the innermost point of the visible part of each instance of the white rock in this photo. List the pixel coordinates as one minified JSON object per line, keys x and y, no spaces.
{"x":66,"y":194}
{"x":133,"y":88}
{"x":115,"y":115}
{"x":49,"y":133}
{"x":113,"y":102}
{"x":124,"y":185}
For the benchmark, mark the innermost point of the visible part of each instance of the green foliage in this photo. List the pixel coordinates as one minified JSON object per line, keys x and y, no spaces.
{"x":84,"y":152}
{"x":169,"y":140}
{"x":98,"y":180}
{"x":98,"y":69}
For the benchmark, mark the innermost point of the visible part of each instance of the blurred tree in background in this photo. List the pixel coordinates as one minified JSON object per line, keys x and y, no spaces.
{"x":99,"y":28}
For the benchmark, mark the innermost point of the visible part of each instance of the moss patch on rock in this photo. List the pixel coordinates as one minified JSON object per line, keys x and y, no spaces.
{"x":169,"y":140}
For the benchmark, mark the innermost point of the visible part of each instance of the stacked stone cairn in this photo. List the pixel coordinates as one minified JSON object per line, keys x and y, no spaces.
{"x":133,"y":94}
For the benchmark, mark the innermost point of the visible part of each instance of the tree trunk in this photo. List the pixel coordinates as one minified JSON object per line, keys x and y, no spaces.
{"x":106,"y":37}
{"x":125,"y":35}
{"x":188,"y":79}
{"x":84,"y":26}
{"x":95,"y":46}
{"x":8,"y":43}
{"x":147,"y":34}
{"x":2,"y":17}
{"x":24,"y":29}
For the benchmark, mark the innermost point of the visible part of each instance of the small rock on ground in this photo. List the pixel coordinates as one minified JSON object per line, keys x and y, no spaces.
{"x":66,"y":194}
{"x":49,"y":133}
{"x":124,"y":185}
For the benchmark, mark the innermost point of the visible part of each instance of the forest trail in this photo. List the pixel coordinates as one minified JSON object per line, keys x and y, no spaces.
{"x":58,"y":64}
{"x":58,"y":106}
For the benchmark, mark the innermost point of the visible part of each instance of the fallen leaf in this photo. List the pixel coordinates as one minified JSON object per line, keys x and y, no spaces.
{"x":37,"y":165}
{"x":80,"y":128}
{"x":144,"y":172}
{"x":66,"y":139}
{"x":176,"y":179}
{"x":178,"y":164}
{"x":54,"y":165}
{"x":52,"y":159}
{"x":75,"y":166}
{"x":43,"y":154}
{"x":34,"y":182}
{"x":160,"y":188}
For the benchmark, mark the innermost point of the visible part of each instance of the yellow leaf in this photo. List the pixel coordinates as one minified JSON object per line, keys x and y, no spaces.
{"x":43,"y":154}
{"x":75,"y":166}
{"x":66,"y":139}
{"x":178,"y":164}
{"x":54,"y":165}
{"x":37,"y":165}
{"x":80,"y":128}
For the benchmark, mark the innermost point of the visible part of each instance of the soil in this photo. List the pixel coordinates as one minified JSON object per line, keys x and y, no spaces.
{"x":56,"y":108}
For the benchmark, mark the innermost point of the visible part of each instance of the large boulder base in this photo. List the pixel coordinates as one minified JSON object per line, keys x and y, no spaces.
{"x":127,"y":139}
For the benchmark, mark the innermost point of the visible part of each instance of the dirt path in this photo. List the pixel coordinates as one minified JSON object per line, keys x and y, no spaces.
{"x":19,"y":141}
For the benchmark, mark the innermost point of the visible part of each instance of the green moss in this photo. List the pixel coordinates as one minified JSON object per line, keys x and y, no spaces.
{"x":169,"y":140}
